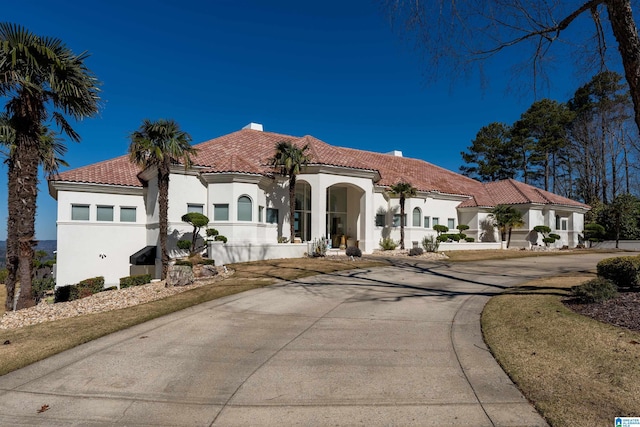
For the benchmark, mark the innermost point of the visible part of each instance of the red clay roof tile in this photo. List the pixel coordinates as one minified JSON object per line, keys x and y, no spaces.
{"x":249,"y":151}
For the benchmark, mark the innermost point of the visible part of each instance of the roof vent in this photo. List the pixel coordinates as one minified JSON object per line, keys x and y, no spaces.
{"x":253,"y":126}
{"x":396,"y":153}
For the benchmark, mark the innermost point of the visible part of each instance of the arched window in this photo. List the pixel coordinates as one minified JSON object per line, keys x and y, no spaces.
{"x":244,"y":208}
{"x":416,"y":217}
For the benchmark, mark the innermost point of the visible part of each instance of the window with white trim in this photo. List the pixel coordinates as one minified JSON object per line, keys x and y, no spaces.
{"x":127,"y":214}
{"x":195,"y":207}
{"x":245,"y":208}
{"x":221,"y":212}
{"x":104,"y":213}
{"x":416,"y":217}
{"x":80,"y":212}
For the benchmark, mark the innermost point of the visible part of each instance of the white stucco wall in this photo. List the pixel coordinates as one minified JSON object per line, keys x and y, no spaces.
{"x":97,"y":248}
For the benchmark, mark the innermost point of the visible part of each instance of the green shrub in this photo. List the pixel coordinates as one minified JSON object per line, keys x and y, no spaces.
{"x":353,"y":251}
{"x":221,"y":238}
{"x":39,"y":287}
{"x":462,"y":236}
{"x":184,"y":262}
{"x":205,"y":261}
{"x":622,"y":271}
{"x":415,"y":251}
{"x":454,"y":237}
{"x":283,"y":239}
{"x":141,"y":279}
{"x":212,"y":232}
{"x":388,"y":244}
{"x":462,"y":227}
{"x":554,"y":236}
{"x":430,"y":244}
{"x":442,"y":238}
{"x":595,"y":290}
{"x":86,"y":288}
{"x":185,"y":245}
{"x":469,"y":239}
{"x":439,"y":228}
{"x":110,"y":288}
{"x":61,"y":293}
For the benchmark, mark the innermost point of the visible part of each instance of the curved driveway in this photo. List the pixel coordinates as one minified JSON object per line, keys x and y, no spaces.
{"x":396,"y":345}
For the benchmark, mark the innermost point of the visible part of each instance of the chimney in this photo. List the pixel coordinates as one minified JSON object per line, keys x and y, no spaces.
{"x":253,"y":126}
{"x":396,"y":153}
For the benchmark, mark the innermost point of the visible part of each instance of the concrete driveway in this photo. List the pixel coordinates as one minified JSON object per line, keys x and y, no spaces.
{"x":396,"y":345}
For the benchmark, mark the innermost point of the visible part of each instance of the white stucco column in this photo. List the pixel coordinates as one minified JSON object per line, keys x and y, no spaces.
{"x":367,"y":221}
{"x":318,"y":204}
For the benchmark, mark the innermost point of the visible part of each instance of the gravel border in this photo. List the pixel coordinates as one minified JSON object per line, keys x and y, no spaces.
{"x":100,"y":302}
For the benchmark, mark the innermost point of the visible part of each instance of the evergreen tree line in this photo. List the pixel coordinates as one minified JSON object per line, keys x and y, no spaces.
{"x":586,"y":149}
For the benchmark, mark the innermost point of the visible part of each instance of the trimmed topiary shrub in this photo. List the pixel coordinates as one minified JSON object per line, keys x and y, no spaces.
{"x":211,"y":232}
{"x":439,"y":228}
{"x":595,"y":290}
{"x":221,"y":238}
{"x":388,"y":244}
{"x":415,"y":251}
{"x":141,"y":279}
{"x":185,"y":245}
{"x":623,"y":271}
{"x":469,"y":239}
{"x":353,"y":251}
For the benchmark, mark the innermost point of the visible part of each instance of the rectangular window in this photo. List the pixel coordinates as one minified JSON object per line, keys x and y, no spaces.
{"x":127,"y":214}
{"x":272,"y":215}
{"x":396,"y":220}
{"x":80,"y":212}
{"x":221,"y":212}
{"x":380,"y":220}
{"x":451,"y":223}
{"x":557,"y":222}
{"x":194,"y":207}
{"x":105,"y":213}
{"x":435,"y":221}
{"x":260,"y":213}
{"x":564,"y":224}
{"x":427,"y":220}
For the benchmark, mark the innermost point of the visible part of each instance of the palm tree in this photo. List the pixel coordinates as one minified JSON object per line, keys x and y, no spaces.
{"x":289,"y":160}
{"x":160,"y":145}
{"x":506,"y":218}
{"x":37,"y":73}
{"x":51,"y":152}
{"x":404,"y":190}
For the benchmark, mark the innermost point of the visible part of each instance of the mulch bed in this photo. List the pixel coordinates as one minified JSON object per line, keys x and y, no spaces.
{"x":623,"y":310}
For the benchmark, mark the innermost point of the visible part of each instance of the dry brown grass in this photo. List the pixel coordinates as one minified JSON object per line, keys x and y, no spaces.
{"x":575,"y":370}
{"x":37,"y":342}
{"x":497,"y":254}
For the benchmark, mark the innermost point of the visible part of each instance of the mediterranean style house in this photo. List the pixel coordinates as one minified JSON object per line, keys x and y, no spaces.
{"x":107,"y":221}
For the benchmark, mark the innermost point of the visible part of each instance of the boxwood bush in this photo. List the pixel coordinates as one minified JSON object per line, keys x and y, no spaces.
{"x":353,"y":251}
{"x":623,"y":271}
{"x":141,"y":279}
{"x":595,"y":290}
{"x":86,"y":288}
{"x":416,"y":251}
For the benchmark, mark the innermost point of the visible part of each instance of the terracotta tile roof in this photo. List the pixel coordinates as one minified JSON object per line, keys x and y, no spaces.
{"x":512,"y":192}
{"x":249,"y":151}
{"x":118,"y":171}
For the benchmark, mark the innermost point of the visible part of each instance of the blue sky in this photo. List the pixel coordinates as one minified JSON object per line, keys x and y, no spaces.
{"x":331,"y":69}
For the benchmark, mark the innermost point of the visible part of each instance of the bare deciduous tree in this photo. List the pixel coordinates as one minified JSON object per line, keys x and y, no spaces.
{"x":460,"y":33}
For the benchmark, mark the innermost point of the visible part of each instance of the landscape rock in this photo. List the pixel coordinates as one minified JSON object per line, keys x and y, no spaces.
{"x":207,"y":271}
{"x":180,"y":275}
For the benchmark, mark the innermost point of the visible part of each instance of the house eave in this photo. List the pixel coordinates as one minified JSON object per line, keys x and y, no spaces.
{"x":90,"y":187}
